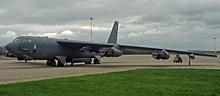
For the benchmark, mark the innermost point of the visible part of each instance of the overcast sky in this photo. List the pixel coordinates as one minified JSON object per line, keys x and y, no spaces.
{"x":175,"y":24}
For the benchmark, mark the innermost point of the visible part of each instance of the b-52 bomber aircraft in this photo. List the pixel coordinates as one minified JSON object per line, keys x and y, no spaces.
{"x":59,"y":52}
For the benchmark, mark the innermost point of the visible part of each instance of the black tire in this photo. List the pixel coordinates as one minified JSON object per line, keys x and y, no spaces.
{"x":87,"y":62}
{"x":72,"y":63}
{"x":96,"y":61}
{"x":59,"y":63}
{"x":48,"y":63}
{"x":53,"y":63}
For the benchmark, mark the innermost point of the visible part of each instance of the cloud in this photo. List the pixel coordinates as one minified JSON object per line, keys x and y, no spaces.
{"x":7,"y":37}
{"x":9,"y":34}
{"x":2,"y":11}
{"x":64,"y":34}
{"x":145,"y":34}
{"x":176,"y":24}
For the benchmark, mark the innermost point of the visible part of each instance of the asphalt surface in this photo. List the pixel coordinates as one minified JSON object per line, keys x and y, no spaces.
{"x":12,"y":71}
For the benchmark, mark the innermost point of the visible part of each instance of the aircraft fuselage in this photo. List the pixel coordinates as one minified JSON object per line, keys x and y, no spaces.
{"x":42,"y":48}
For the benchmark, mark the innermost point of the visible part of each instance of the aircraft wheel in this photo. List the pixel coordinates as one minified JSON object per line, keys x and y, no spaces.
{"x":72,"y":63}
{"x":96,"y":61}
{"x":59,"y":63}
{"x":87,"y":62}
{"x":53,"y":63}
{"x":48,"y":63}
{"x":65,"y":65}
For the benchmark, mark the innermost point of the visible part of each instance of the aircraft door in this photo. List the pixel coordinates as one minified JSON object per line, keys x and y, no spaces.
{"x":35,"y":49}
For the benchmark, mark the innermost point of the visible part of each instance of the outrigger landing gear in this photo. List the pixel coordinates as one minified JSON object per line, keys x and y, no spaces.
{"x":189,"y":60}
{"x":191,"y":57}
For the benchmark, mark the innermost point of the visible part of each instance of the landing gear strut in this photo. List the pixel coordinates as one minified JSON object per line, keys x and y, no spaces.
{"x":189,"y":60}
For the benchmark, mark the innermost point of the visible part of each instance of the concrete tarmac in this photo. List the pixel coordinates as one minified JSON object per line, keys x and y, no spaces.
{"x":12,"y":71}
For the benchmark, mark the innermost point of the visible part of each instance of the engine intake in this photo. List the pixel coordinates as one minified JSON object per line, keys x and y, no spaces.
{"x":86,"y":49}
{"x":110,"y":52}
{"x":102,"y":52}
{"x":164,"y":55}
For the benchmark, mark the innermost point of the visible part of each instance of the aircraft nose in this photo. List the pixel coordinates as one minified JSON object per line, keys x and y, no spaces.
{"x":12,"y":46}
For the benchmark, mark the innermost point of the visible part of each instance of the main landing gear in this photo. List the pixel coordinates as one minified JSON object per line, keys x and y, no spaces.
{"x":54,"y":64}
{"x":95,"y":61}
{"x":51,"y":63}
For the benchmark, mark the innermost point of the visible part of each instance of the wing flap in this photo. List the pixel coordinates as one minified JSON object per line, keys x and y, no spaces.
{"x":151,"y":49}
{"x":96,"y":46}
{"x":80,"y":44}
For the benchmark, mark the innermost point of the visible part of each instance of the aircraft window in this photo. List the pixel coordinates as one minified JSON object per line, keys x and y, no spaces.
{"x":17,"y":40}
{"x":22,"y":39}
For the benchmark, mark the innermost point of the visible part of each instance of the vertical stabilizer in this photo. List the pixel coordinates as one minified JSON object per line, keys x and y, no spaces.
{"x":114,"y":34}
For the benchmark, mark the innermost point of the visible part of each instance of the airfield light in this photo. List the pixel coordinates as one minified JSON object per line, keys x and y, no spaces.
{"x":91,"y":27}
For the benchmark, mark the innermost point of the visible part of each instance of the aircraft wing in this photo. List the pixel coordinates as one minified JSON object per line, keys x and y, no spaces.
{"x":168,"y":50}
{"x":95,"y":46}
{"x":80,"y":44}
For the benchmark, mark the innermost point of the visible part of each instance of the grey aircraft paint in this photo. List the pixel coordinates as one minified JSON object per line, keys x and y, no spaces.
{"x":64,"y":51}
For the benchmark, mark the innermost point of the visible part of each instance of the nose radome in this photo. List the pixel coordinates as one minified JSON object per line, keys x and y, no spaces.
{"x":12,"y":46}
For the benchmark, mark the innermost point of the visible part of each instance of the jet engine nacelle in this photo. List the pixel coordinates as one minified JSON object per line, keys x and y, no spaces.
{"x":111,"y":52}
{"x":164,"y":55}
{"x":192,"y":56}
{"x":86,"y":49}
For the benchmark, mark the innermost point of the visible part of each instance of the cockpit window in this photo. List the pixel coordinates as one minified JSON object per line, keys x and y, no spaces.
{"x":22,"y":39}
